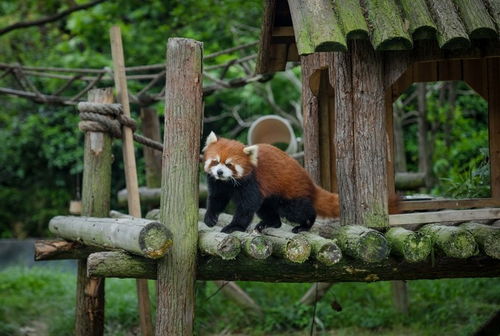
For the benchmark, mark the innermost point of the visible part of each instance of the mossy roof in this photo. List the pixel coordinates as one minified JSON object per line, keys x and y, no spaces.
{"x":327,"y":25}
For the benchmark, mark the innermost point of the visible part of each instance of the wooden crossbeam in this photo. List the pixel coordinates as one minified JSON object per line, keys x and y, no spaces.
{"x":445,"y":216}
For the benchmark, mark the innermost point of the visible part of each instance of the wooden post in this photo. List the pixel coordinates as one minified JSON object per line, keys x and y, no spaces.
{"x":96,"y":191}
{"x":152,"y":158}
{"x":179,"y":201}
{"x":134,"y":205}
{"x":361,"y":137}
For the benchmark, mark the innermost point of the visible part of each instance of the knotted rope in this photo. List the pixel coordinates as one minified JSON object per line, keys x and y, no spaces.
{"x":109,"y":118}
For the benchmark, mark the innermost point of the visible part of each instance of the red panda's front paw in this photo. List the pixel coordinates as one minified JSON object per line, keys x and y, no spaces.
{"x":210,"y":220}
{"x":231,"y":228}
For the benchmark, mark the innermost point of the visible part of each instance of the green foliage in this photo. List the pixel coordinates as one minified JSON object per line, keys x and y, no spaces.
{"x":42,"y":149}
{"x":457,"y":139}
{"x":448,"y":307}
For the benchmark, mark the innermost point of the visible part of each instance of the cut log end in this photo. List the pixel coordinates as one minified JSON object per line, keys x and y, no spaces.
{"x":297,"y":250}
{"x":155,"y":240}
{"x":329,"y":254}
{"x":214,"y":243}
{"x":452,"y":241}
{"x":491,"y":246}
{"x":372,"y":247}
{"x":255,"y":246}
{"x":412,"y":246}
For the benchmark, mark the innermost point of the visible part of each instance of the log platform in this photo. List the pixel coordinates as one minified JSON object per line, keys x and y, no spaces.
{"x":329,"y":253}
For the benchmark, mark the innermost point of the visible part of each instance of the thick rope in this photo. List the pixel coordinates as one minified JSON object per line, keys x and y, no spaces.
{"x":109,"y":118}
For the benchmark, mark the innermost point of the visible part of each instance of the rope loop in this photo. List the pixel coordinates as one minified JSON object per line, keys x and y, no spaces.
{"x":109,"y":118}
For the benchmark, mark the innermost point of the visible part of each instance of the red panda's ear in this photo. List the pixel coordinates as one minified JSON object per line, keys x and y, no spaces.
{"x":252,"y":152}
{"x":210,"y":140}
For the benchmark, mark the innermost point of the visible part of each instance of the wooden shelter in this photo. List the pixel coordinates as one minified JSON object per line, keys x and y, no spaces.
{"x":357,"y":57}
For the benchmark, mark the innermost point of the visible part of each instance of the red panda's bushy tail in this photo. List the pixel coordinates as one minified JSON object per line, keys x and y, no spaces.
{"x":326,"y":203}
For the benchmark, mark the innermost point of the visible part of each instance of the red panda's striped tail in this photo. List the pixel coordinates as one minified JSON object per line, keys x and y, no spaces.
{"x":326,"y":203}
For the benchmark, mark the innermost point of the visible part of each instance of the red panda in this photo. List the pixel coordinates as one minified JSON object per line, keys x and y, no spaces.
{"x":261,"y":179}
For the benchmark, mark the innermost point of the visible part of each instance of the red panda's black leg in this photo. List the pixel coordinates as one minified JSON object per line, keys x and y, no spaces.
{"x":268,"y":212}
{"x":248,"y":200}
{"x":300,"y":211}
{"x":219,"y":195}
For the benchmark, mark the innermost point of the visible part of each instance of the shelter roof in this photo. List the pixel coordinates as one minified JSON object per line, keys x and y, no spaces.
{"x":298,"y":27}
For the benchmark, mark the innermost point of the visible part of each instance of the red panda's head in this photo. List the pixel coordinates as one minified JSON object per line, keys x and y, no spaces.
{"x":228,"y":159}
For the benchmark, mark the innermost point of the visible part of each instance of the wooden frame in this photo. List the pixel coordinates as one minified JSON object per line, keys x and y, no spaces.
{"x":481,"y":74}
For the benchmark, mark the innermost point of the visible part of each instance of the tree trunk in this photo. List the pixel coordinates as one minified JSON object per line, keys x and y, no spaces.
{"x":183,"y":116}
{"x":361,"y":137}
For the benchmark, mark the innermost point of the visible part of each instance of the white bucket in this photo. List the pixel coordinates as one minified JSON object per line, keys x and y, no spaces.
{"x":272,"y":129}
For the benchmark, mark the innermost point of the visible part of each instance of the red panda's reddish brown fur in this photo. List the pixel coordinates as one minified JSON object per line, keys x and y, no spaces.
{"x":277,"y":174}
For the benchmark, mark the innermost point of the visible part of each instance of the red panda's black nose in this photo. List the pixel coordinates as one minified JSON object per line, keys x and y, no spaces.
{"x":220,"y":172}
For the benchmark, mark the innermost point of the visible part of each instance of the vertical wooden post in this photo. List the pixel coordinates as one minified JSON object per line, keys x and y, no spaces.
{"x":179,"y":195}
{"x":494,"y":124}
{"x":151,"y":128}
{"x":96,"y":192}
{"x":361,"y":137}
{"x":318,"y":115}
{"x":134,"y":205}
{"x":317,"y":110}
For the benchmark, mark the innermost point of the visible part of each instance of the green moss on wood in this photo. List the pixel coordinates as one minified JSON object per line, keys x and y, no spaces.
{"x":254,"y":245}
{"x":452,"y":241}
{"x":351,"y":18}
{"x":388,"y":31}
{"x":487,"y":237}
{"x":418,"y":18}
{"x":412,"y":246}
{"x":362,"y":243}
{"x":323,"y":250}
{"x":218,"y":244}
{"x":316,"y":26}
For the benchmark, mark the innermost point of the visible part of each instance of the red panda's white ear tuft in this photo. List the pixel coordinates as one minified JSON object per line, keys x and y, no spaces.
{"x":210,"y":140}
{"x":252,"y":152}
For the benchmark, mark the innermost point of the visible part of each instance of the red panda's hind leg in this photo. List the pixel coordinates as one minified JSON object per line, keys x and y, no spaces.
{"x":300,"y":211}
{"x":269,"y":214}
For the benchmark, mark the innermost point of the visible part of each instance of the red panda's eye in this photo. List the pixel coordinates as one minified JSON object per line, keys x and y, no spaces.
{"x":229,"y":164}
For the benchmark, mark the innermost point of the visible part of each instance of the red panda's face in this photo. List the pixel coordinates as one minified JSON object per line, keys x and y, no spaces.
{"x":228,"y":159}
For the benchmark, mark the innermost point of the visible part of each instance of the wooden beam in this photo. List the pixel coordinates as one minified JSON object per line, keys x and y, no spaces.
{"x":134,"y":204}
{"x":448,"y":204}
{"x":122,"y":265}
{"x":183,"y":119}
{"x":445,"y":216}
{"x":139,"y":236}
{"x":96,"y":191}
{"x":370,"y":136}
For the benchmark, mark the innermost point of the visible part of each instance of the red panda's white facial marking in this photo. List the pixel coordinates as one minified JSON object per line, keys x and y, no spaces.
{"x":221,"y":171}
